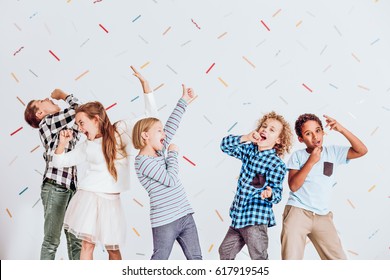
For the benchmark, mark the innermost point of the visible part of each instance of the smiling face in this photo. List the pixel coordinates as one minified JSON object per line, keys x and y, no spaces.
{"x":90,"y":127}
{"x":155,"y":136}
{"x":269,"y":132}
{"x":312,"y":135}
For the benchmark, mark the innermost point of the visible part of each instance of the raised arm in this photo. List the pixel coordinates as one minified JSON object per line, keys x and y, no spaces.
{"x":71,"y":158}
{"x":358,"y":149}
{"x":233,"y":145}
{"x":150,"y":103}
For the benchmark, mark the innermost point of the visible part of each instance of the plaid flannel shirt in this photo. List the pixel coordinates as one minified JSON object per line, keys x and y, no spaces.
{"x":49,"y":132}
{"x":259,"y":169}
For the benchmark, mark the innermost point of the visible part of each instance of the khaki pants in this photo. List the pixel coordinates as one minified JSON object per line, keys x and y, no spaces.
{"x":299,"y":223}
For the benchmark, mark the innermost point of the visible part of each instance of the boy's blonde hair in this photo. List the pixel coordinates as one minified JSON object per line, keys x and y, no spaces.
{"x":285,"y":135}
{"x":142,"y":126}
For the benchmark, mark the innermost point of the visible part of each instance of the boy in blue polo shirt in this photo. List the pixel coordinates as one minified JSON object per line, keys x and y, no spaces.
{"x":311,"y":180}
{"x":259,"y":186}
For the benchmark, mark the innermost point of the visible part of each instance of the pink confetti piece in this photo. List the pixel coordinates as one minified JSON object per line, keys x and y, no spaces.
{"x":265,"y":25}
{"x":53,"y":54}
{"x":16,"y":131}
{"x":208,"y":70}
{"x":103,"y":27}
{"x":309,"y":89}
{"x":109,"y":107}
{"x":189,"y":161}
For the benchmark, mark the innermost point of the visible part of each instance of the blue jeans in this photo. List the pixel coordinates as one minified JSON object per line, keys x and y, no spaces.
{"x":184,"y":231}
{"x":255,"y":237}
{"x":55,"y":199}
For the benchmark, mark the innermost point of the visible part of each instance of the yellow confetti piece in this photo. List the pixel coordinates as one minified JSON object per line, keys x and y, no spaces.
{"x":136,"y":232}
{"x":370,"y":189}
{"x":34,"y":149}
{"x":220,"y":36}
{"x":14,"y":76}
{"x":159,"y":87}
{"x":166,"y":31}
{"x":20,"y":100}
{"x":353,"y":253}
{"x":219,"y":215}
{"x":193,"y":99}
{"x":81,"y":75}
{"x":372,"y":133}
{"x":211,"y":247}
{"x":277,"y":12}
{"x":9,"y":213}
{"x":355,"y":57}
{"x":350,"y":203}
{"x":298,"y":23}
{"x":146,"y":64}
{"x":139,"y":203}
{"x":249,"y":62}
{"x":223,"y":82}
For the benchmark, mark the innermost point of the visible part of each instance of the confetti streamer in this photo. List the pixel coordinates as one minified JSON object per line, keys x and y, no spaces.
{"x":31,"y":71}
{"x":363,"y":87}
{"x":309,"y":89}
{"x":16,"y":131}
{"x":262,"y":42}
{"x":207,"y":119}
{"x":135,"y":98}
{"x":372,"y":235}
{"x":355,"y":57}
{"x":81,"y":75}
{"x":182,"y":45}
{"x":136,"y":18}
{"x":136,"y":232}
{"x":171,"y":69}
{"x":162,"y":107}
{"x":159,"y":87}
{"x":270,"y":84}
{"x":9,"y":213}
{"x":139,"y":203}
{"x":372,"y":133}
{"x":18,"y":51}
{"x":25,"y":189}
{"x":109,"y":107}
{"x":374,"y":42}
{"x":166,"y":31}
{"x":265,"y":25}
{"x":276,"y":13}
{"x":298,"y":23}
{"x":14,"y":76}
{"x":96,"y":1}
{"x":353,"y":253}
{"x":333,"y":86}
{"x":232,"y":126}
{"x":103,"y":27}
{"x":223,"y":82}
{"x":326,"y":46}
{"x":220,"y":36}
{"x":373,"y":187}
{"x":17,"y":27}
{"x":189,"y":161}
{"x":33,"y":150}
{"x":350,"y":203}
{"x":283,"y":100}
{"x":20,"y":100}
{"x":249,"y":62}
{"x":146,"y":64}
{"x":219,"y":215}
{"x":36,"y":203}
{"x":52,"y":53}
{"x":84,"y":42}
{"x":211,"y":248}
{"x":197,"y":26}
{"x":338,"y":31}
{"x":208,"y":70}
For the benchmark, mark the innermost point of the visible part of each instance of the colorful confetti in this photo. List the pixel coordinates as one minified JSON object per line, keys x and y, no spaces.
{"x":34,"y":149}
{"x":146,"y":64}
{"x":211,"y":248}
{"x":53,"y":54}
{"x":208,"y":70}
{"x":103,"y":27}
{"x":372,"y":133}
{"x":16,"y":131}
{"x":136,"y":18}
{"x":81,"y":75}
{"x":197,"y":26}
{"x":136,"y":232}
{"x":350,"y":203}
{"x":20,"y":100}
{"x":135,"y":98}
{"x":109,"y":107}
{"x":276,"y":13}
{"x":139,"y":203}
{"x":25,"y":189}
{"x":265,"y":25}
{"x":353,"y":253}
{"x":249,"y":62}
{"x":8,"y":212}
{"x":166,"y":31}
{"x":18,"y":51}
{"x":223,"y":82}
{"x":309,"y":89}
{"x":159,"y":87}
{"x":373,"y":187}
{"x":192,"y":163}
{"x":232,"y":126}
{"x":219,"y":215}
{"x":222,"y":35}
{"x":14,"y":76}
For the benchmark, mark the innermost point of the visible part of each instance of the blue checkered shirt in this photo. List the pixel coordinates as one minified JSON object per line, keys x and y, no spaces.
{"x":49,"y":132}
{"x":259,"y":170}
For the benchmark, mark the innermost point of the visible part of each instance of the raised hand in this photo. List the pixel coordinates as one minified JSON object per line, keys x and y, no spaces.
{"x":144,"y":82}
{"x":65,"y":136}
{"x":333,"y":124}
{"x":173,"y":147}
{"x":252,"y":136}
{"x":188,"y":93}
{"x":58,"y":94}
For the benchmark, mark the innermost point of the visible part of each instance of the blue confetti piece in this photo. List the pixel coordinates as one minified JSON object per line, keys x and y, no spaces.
{"x":136,"y":18}
{"x":23,"y":191}
{"x":333,"y":86}
{"x":375,"y":41}
{"x":232,"y":126}
{"x":135,"y":98}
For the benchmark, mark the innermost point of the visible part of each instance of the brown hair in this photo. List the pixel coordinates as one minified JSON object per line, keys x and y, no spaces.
{"x":108,"y":131}
{"x":30,"y":114}
{"x":304,"y":118}
{"x":142,"y":126}
{"x":285,"y":135}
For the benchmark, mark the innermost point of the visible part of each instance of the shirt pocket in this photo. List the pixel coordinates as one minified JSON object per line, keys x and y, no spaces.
{"x":328,"y":168}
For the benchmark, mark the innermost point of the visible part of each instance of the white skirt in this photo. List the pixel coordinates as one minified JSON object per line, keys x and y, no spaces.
{"x":97,"y":218}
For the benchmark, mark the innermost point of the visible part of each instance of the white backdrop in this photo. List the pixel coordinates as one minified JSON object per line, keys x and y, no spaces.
{"x":324,"y":57}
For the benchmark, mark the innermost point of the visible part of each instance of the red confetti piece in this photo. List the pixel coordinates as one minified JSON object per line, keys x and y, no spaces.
{"x":16,"y":131}
{"x":309,"y":89}
{"x":103,"y":28}
{"x":208,"y":70}
{"x":265,"y":25}
{"x":109,"y":107}
{"x":53,"y":54}
{"x":189,"y":161}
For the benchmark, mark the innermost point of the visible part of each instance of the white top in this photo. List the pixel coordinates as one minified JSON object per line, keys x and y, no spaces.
{"x":97,"y":177}
{"x":315,"y":193}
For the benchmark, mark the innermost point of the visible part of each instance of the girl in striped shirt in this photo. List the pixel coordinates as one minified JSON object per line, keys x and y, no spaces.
{"x":170,"y":211}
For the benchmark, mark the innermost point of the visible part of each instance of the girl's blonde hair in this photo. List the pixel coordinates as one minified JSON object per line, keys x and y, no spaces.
{"x":285,"y":135}
{"x":111,"y":148}
{"x":142,"y":126}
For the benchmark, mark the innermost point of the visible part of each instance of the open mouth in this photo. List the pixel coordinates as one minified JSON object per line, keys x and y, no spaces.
{"x":162,"y":141}
{"x":263,"y":137}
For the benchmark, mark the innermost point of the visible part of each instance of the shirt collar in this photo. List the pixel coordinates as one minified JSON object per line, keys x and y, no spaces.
{"x":266,"y":152}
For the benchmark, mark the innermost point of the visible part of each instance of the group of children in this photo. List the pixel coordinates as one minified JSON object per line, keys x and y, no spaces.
{"x":94,"y":214}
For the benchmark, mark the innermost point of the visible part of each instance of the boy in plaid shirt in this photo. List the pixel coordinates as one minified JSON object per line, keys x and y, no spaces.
{"x":259,"y":185}
{"x":58,"y":185}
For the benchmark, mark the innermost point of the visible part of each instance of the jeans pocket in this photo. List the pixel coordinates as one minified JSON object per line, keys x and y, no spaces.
{"x":328,"y":168}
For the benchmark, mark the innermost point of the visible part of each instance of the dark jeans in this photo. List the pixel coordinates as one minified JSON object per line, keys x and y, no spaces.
{"x":255,"y":237}
{"x":184,"y":231}
{"x":55,"y":199}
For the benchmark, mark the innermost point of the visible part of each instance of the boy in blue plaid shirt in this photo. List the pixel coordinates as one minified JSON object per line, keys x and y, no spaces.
{"x":259,"y":185}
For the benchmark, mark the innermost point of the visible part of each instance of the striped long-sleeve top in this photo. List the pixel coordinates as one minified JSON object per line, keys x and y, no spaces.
{"x":159,"y":176}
